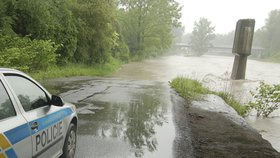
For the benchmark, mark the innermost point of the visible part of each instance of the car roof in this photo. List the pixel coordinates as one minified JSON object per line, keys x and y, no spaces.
{"x":9,"y":70}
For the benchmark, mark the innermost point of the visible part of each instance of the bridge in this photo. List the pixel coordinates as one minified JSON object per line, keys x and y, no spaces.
{"x":219,"y":49}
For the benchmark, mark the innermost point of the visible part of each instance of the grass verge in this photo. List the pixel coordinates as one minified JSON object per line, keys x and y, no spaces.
{"x":237,"y":106}
{"x":187,"y":88}
{"x":71,"y":70}
{"x":192,"y":89}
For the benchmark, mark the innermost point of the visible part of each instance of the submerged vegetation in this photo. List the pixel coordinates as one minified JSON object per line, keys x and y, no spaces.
{"x":266,"y":99}
{"x":192,"y":89}
{"x":237,"y":106}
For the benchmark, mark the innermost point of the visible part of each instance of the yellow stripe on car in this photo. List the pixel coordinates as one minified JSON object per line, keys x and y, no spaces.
{"x":4,"y":144}
{"x":2,"y":155}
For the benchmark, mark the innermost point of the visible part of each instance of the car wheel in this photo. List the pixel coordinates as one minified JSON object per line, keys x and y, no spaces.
{"x":69,"y":147}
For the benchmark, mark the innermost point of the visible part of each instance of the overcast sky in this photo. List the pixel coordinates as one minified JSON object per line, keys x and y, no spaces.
{"x":225,"y":13}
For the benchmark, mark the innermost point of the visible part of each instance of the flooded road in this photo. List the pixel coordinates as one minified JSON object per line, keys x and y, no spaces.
{"x":214,"y":72}
{"x":131,"y":114}
{"x":121,"y":118}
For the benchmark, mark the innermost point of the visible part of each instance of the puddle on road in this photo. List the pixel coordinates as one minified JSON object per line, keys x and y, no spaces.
{"x":122,"y":118}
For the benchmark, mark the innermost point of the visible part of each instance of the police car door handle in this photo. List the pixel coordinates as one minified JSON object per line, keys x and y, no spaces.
{"x":34,"y":125}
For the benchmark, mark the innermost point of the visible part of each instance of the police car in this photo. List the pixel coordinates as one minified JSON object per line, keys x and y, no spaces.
{"x":34,"y":123}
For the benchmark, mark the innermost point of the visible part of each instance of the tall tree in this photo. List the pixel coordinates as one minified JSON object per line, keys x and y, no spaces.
{"x":269,"y":35}
{"x":6,"y":19}
{"x":97,"y":36}
{"x":41,"y":19}
{"x":178,"y":34}
{"x":202,"y":35}
{"x":147,"y":24}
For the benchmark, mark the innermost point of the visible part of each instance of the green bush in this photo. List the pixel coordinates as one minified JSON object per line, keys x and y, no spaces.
{"x":26,"y":55}
{"x":266,"y":99}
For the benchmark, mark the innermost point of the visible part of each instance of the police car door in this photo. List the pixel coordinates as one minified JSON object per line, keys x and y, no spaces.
{"x":15,"y":140}
{"x":44,"y":120}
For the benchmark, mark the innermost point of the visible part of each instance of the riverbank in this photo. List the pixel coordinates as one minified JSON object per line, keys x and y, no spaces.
{"x":274,"y":58}
{"x":216,"y":130}
{"x":192,"y":89}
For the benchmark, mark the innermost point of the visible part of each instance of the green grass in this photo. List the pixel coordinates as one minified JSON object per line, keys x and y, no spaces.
{"x":71,"y":70}
{"x":192,"y":89}
{"x":237,"y":106}
{"x":188,"y":88}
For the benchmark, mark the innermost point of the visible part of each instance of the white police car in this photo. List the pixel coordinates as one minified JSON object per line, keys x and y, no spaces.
{"x":32,"y":122}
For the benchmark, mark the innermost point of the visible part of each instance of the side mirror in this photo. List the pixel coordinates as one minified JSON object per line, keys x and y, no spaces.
{"x":57,"y":101}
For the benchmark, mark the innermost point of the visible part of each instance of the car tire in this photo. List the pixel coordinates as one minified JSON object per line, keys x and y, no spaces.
{"x":69,"y":147}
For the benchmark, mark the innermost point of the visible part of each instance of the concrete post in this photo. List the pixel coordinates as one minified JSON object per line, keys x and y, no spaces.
{"x":242,"y":47}
{"x":239,"y":68}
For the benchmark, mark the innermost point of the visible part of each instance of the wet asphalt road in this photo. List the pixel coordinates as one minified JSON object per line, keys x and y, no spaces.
{"x":121,"y":118}
{"x":134,"y":114}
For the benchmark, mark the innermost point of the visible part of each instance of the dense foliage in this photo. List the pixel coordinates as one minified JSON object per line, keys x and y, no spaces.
{"x":202,"y":35}
{"x":269,"y":35}
{"x":96,"y":37}
{"x":87,"y":31}
{"x":146,"y":25}
{"x":266,"y":99}
{"x":45,"y":20}
{"x":25,"y":54}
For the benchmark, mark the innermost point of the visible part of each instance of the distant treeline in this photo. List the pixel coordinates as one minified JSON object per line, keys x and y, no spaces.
{"x":267,"y":37}
{"x":35,"y":34}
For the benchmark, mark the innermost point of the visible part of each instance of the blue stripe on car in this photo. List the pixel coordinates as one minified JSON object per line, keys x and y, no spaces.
{"x":19,"y":133}
{"x":47,"y":121}
{"x":11,"y":153}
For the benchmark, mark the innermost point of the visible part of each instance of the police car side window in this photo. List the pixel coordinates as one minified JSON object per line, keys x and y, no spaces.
{"x":29,"y":94}
{"x":6,"y":106}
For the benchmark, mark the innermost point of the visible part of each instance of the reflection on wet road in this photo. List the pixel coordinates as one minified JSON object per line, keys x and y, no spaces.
{"x":122,"y":118}
{"x":127,"y":118}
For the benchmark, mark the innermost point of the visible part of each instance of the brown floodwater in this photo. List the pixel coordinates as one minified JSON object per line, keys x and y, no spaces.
{"x":214,"y":72}
{"x":130,"y":114}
